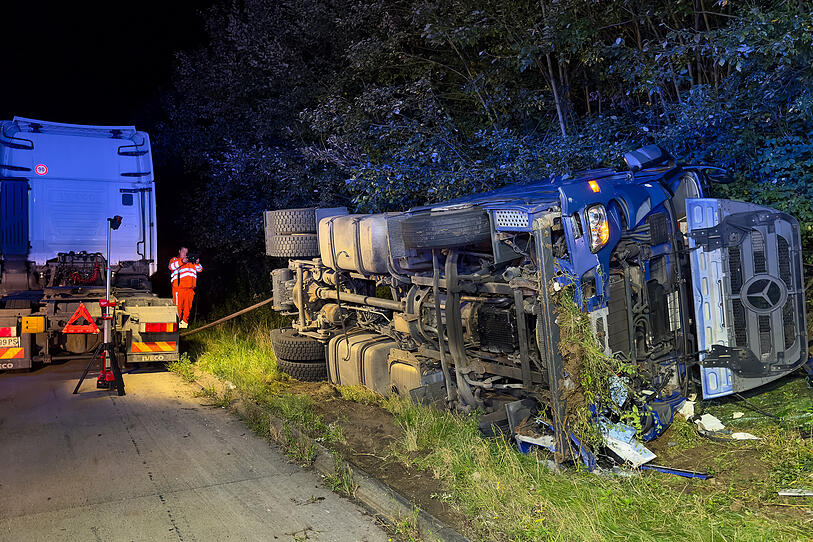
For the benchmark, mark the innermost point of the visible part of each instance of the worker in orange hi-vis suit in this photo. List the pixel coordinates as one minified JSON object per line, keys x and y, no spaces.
{"x":184,"y":278}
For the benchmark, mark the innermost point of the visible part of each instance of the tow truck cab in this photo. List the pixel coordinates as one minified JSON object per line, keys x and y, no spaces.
{"x":58,"y":185}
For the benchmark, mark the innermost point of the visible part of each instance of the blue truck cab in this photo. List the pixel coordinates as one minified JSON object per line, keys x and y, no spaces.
{"x":58,"y":185}
{"x":673,"y":271}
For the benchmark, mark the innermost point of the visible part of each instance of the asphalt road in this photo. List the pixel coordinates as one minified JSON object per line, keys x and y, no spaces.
{"x":156,"y":464}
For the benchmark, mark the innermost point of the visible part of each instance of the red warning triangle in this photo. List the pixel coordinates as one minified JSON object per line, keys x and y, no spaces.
{"x":81,"y":312}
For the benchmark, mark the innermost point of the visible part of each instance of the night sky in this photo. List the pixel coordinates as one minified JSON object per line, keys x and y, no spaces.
{"x":89,"y":63}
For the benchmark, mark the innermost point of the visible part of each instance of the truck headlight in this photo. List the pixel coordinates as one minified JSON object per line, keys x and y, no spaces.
{"x":598,"y":226}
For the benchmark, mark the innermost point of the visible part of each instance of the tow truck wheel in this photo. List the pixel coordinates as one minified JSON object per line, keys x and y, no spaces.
{"x":444,"y":229}
{"x":297,"y":245}
{"x":287,"y":221}
{"x":297,"y":348}
{"x":304,"y":371}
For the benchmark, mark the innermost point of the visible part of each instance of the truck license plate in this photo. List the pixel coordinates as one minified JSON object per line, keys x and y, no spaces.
{"x":9,"y":342}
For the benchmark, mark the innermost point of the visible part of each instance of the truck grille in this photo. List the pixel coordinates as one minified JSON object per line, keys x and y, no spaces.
{"x":767,"y":294}
{"x":740,"y":335}
{"x":765,"y":342}
{"x":511,"y":219}
{"x":788,"y":324}
{"x":758,"y":246}
{"x":735,"y":263}
{"x":784,"y":261}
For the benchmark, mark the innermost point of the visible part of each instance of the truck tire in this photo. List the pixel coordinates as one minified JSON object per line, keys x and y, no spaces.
{"x":305,"y":372}
{"x":287,"y":221}
{"x":298,"y":245}
{"x":446,"y":229}
{"x":290,"y":346}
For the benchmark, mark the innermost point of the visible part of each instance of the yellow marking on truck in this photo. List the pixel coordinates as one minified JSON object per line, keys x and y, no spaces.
{"x":161,"y":346}
{"x":33,"y":324}
{"x":12,"y":353}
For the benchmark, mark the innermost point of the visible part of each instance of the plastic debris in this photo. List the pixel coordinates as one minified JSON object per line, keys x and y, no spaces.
{"x":618,"y":390}
{"x":618,"y":471}
{"x":737,"y":415}
{"x":677,"y":472}
{"x":620,"y":439}
{"x":710,"y":423}
{"x":744,"y":436}
{"x":795,"y":493}
{"x":686,"y":409}
{"x":544,"y":441}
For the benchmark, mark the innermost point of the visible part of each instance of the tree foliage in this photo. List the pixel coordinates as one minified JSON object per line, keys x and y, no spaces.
{"x":385,"y":104}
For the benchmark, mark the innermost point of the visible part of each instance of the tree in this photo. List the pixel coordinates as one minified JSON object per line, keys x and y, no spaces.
{"x":381,"y":105}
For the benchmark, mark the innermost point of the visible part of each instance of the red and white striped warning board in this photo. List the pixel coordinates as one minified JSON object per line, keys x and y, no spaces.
{"x":12,"y":353}
{"x":161,"y":346}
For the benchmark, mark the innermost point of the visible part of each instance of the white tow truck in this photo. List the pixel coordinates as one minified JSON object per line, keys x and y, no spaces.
{"x":59,"y":183}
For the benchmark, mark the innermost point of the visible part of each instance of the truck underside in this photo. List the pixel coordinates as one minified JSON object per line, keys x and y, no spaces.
{"x":465,"y":327}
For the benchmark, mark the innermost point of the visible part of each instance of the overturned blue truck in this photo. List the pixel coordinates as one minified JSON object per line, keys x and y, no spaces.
{"x":454,"y":302}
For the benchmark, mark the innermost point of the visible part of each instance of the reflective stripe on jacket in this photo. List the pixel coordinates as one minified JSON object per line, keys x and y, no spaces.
{"x":184,"y":275}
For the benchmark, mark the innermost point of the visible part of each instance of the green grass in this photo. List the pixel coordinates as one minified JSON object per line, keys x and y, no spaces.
{"x":341,"y":479}
{"x":407,"y":527}
{"x":183,"y":367}
{"x":505,"y":495}
{"x":510,"y":496}
{"x":360,"y":394}
{"x":244,"y":357}
{"x":789,"y":402}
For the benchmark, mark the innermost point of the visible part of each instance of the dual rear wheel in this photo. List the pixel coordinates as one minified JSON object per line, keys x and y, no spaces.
{"x":299,"y":356}
{"x":291,"y":233}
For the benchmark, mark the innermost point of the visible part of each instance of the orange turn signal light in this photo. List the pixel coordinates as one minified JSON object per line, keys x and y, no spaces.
{"x":594,"y":186}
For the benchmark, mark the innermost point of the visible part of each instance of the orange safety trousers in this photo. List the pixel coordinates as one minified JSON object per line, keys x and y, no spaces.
{"x":183,"y":300}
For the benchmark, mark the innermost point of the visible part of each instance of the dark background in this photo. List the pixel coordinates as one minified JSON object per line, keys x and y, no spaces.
{"x":88,"y":63}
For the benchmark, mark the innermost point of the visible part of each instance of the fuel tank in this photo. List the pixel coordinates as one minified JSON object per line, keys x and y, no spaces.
{"x":360,"y":358}
{"x":355,"y":243}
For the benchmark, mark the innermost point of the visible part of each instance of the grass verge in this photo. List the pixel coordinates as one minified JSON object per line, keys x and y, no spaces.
{"x":505,"y":495}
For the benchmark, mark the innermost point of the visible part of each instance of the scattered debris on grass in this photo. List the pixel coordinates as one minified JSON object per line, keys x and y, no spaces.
{"x":795,"y":493}
{"x":744,"y":436}
{"x":709,"y":423}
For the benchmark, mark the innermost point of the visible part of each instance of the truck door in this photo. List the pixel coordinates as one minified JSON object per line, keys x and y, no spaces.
{"x":748,"y":290}
{"x":147,"y":243}
{"x":13,"y":217}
